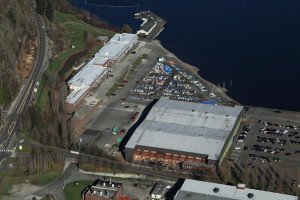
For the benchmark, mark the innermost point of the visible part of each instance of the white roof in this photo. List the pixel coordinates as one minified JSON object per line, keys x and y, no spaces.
{"x":87,"y":75}
{"x":83,"y":80}
{"x":100,"y":61}
{"x":75,"y":95}
{"x":92,"y":71}
{"x":195,"y":190}
{"x":116,"y":46}
{"x":185,"y":126}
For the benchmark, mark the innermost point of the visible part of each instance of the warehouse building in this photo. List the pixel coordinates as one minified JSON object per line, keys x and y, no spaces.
{"x":117,"y":47}
{"x":83,"y":81}
{"x":92,"y":73}
{"x":187,"y":136}
{"x":195,"y":190}
{"x":146,"y":27}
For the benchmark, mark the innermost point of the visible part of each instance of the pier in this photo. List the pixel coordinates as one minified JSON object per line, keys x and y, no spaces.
{"x":153,"y":25}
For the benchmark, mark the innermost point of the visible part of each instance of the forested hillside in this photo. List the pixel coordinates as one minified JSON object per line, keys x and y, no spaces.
{"x":18,"y":41}
{"x":18,"y":38}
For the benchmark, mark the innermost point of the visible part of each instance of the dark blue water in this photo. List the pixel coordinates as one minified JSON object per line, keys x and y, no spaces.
{"x":253,"y":43}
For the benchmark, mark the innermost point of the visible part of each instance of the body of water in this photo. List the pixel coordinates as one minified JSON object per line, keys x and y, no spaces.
{"x":253,"y":43}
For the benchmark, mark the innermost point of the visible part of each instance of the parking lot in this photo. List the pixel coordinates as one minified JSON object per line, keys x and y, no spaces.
{"x":149,"y":80}
{"x":269,"y":138}
{"x":166,"y":78}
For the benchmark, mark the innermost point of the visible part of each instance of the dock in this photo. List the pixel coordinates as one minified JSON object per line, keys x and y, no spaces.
{"x":152,"y":26}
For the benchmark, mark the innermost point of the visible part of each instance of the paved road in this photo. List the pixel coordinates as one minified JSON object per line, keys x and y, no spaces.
{"x":71,"y":174}
{"x":9,"y":133}
{"x":56,"y":187}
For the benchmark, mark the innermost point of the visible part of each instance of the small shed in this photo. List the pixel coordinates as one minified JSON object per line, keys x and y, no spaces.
{"x":158,"y":191}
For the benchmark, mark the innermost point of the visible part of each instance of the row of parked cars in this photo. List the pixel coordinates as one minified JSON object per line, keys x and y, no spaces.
{"x":267,"y":149}
{"x":278,"y":132}
{"x":246,"y":128}
{"x":261,"y":139}
{"x":262,"y":159}
{"x":278,"y":125}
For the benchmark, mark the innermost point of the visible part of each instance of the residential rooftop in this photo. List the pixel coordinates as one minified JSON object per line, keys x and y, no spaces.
{"x":195,"y":190}
{"x":187,"y":127}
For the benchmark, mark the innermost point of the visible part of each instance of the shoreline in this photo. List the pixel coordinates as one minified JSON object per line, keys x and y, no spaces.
{"x":196,"y":72}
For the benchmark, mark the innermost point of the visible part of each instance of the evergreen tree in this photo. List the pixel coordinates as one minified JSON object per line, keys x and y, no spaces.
{"x":11,"y":16}
{"x":41,"y":6}
{"x":49,"y":10}
{"x":126,"y":29}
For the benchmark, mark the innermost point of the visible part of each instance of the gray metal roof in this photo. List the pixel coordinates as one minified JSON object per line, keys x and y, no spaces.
{"x":148,"y":25}
{"x":195,"y":190}
{"x":186,"y":126}
{"x":159,"y":189}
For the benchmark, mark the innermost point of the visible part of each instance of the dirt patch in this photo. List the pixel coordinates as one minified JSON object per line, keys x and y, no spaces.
{"x":27,"y":60}
{"x":21,"y":191}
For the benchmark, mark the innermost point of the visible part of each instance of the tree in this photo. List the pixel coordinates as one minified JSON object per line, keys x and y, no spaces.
{"x":126,"y":29}
{"x":49,"y":11}
{"x":11,"y":16}
{"x":87,"y":36}
{"x":41,"y":6}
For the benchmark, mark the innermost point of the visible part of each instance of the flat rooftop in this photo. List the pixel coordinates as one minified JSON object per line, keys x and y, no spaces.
{"x":186,"y":126}
{"x":87,"y":75}
{"x":75,"y":95}
{"x":159,"y":189}
{"x":116,"y":46}
{"x":195,"y":190}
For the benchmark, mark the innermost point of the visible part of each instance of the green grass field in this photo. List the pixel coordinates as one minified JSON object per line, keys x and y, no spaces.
{"x":75,"y":36}
{"x":73,"y":192}
{"x":11,"y":178}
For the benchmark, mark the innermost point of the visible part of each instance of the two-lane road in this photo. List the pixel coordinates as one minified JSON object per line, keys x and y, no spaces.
{"x":8,"y":135}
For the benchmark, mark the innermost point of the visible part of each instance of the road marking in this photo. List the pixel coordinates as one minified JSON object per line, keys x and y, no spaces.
{"x":25,"y":98}
{"x":11,"y":127}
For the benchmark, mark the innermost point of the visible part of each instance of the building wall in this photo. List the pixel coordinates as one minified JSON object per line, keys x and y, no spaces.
{"x":72,"y":107}
{"x":91,"y":197}
{"x":229,"y":140}
{"x":118,"y":193}
{"x":129,"y":154}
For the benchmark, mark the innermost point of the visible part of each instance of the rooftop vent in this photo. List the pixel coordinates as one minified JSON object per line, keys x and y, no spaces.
{"x":241,"y":186}
{"x":216,"y":190}
{"x":250,"y":195}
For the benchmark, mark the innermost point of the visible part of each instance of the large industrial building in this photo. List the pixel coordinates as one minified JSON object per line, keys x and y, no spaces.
{"x":117,"y":47}
{"x":195,"y":190}
{"x":92,"y":73}
{"x":184,"y":135}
